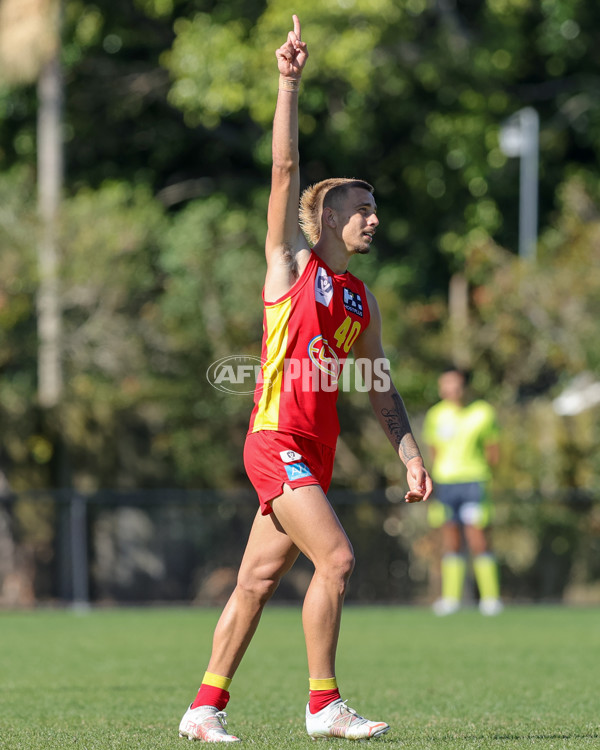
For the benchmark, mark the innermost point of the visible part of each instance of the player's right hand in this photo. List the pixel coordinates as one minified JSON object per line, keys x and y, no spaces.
{"x":292,"y":56}
{"x":419,"y":482}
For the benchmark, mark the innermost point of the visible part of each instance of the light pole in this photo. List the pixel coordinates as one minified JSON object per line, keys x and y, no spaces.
{"x":519,"y":136}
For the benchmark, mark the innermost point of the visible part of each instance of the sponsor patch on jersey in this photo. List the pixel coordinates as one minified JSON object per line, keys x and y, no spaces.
{"x":324,"y":357}
{"x":297,"y":471}
{"x":323,"y":287}
{"x":447,"y":430}
{"x":353,"y":302}
{"x":288,"y":456}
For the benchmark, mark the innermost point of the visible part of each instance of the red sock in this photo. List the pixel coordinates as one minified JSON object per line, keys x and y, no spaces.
{"x":319,"y":699}
{"x":208,"y":695}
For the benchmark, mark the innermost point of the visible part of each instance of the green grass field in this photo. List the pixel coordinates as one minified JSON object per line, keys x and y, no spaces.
{"x":116,"y":679}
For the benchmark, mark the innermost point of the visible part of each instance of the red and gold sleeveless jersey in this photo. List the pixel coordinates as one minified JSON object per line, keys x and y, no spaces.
{"x":307,"y":336}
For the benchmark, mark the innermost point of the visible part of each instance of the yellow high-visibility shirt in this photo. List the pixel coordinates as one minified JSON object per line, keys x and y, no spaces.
{"x":459,"y":436}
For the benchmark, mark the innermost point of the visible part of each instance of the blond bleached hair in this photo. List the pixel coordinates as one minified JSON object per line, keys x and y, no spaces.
{"x":321,"y":195}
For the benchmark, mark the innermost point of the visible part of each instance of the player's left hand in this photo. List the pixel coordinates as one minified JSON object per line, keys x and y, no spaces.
{"x":420,"y":485}
{"x":292,"y":56}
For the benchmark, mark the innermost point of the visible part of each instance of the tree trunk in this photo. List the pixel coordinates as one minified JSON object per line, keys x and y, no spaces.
{"x":458,"y":309}
{"x":50,"y":178}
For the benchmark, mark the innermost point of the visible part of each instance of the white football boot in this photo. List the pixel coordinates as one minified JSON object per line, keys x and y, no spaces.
{"x":443,"y":607}
{"x":490,"y":607}
{"x":205,"y":723}
{"x":338,"y":720}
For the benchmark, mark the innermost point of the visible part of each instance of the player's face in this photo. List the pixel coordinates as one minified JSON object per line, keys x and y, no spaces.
{"x":451,"y":386}
{"x":358,"y":215}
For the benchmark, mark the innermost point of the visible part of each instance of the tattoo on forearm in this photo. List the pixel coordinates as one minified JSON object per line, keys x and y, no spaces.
{"x":398,"y":426}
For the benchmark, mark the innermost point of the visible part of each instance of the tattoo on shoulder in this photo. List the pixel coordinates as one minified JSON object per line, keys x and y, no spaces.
{"x":398,"y":426}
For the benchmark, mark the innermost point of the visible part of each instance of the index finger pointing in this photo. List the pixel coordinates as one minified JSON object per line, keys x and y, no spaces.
{"x":297,"y":27}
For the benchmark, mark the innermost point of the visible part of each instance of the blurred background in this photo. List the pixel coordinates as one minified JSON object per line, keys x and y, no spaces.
{"x":134,"y":177}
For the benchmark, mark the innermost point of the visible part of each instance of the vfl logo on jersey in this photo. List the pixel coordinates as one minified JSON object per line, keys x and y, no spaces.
{"x":353,"y":302}
{"x":323,"y":287}
{"x":324,"y":357}
{"x":297,"y":471}
{"x":289,"y":456}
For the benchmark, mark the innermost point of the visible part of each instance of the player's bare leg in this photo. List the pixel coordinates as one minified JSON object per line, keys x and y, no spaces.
{"x":309,"y":519}
{"x":303,"y":520}
{"x":476,"y":540}
{"x":451,"y":538}
{"x":269,"y":554}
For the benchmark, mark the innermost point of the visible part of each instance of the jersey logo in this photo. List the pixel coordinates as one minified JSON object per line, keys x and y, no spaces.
{"x":353,"y":302}
{"x":297,"y":471}
{"x":289,"y":456}
{"x":323,"y":287}
{"x":324,"y":357}
{"x":447,"y":430}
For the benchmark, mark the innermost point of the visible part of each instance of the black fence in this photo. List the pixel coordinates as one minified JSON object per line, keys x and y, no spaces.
{"x":185,"y":546}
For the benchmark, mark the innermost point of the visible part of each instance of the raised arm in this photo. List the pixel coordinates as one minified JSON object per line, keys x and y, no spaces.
{"x":284,"y":237}
{"x":389,"y":407}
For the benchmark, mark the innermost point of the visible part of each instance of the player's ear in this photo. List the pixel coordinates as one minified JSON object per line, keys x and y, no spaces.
{"x":329,"y":217}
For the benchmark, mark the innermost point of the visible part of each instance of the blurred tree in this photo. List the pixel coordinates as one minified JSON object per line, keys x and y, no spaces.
{"x":30,"y":50}
{"x":18,"y":344}
{"x":214,"y":265}
{"x":115,"y":348}
{"x":172,"y":100}
{"x":411,"y":95}
{"x":167,"y":114}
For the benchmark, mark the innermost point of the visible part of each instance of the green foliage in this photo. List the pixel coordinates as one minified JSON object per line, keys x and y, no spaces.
{"x":167,"y":117}
{"x":18,"y":341}
{"x":197,"y":81}
{"x":213,"y":259}
{"x":113,"y":346}
{"x":412,"y":95}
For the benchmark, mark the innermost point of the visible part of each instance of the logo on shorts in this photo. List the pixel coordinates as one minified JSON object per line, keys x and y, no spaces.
{"x":288,"y":456}
{"x":323,"y":287}
{"x":297,"y":471}
{"x":353,"y":302}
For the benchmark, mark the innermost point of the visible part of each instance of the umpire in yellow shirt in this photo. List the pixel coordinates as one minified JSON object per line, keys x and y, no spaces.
{"x":463,"y":444}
